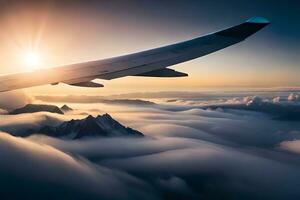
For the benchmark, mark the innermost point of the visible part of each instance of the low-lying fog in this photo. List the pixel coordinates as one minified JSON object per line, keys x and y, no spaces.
{"x":221,"y":146}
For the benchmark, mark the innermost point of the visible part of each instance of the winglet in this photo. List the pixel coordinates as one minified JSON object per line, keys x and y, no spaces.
{"x":245,"y":29}
{"x":258,"y":20}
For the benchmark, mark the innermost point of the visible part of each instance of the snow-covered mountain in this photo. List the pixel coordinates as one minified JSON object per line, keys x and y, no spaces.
{"x":100,"y":126}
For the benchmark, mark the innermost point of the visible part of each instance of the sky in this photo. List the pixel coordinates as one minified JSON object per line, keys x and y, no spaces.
{"x":64,"y":32}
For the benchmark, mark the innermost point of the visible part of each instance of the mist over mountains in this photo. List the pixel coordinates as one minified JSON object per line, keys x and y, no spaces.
{"x":215,"y":147}
{"x":100,"y":126}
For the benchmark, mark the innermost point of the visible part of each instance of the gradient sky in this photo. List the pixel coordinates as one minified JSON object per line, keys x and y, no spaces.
{"x":65,"y":32}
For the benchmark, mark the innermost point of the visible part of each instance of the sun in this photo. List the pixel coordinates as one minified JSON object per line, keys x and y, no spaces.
{"x":32,"y":60}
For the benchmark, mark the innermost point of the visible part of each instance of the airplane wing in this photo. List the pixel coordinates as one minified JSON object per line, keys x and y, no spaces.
{"x":150,"y":63}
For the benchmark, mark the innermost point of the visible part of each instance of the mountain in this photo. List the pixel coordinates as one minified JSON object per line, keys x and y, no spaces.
{"x":31,"y":108}
{"x":65,"y":108}
{"x":94,"y":99}
{"x":100,"y":126}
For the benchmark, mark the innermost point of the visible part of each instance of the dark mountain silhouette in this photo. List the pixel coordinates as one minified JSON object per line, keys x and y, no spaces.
{"x":66,"y":108}
{"x":31,"y":108}
{"x":94,"y":99}
{"x":102,"y":125}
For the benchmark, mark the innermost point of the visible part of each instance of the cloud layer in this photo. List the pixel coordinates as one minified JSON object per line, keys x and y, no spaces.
{"x":194,"y":149}
{"x":30,"y":170}
{"x":14,"y":99}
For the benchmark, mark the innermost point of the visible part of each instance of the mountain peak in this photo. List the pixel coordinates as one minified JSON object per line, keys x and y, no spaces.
{"x":106,"y":115}
{"x":100,"y":126}
{"x":89,"y":117}
{"x":66,"y":108}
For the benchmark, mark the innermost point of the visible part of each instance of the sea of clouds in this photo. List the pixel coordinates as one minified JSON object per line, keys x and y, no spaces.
{"x":236,"y":146}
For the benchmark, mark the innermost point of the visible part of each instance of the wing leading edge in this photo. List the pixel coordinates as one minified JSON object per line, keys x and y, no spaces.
{"x":147,"y":63}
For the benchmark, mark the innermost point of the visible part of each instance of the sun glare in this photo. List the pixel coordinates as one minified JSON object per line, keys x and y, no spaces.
{"x":32,"y":60}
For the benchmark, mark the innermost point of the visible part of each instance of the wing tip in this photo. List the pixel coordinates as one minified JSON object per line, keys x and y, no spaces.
{"x":245,"y":29}
{"x":258,"y":20}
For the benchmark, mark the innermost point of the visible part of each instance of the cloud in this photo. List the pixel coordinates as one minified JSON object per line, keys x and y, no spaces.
{"x":14,"y":99}
{"x":30,"y":170}
{"x":2,"y":111}
{"x":173,"y":130}
{"x":194,"y":149}
{"x":292,"y":146}
{"x":277,"y":100}
{"x":192,"y":169}
{"x":19,"y":124}
{"x":219,"y":125}
{"x":294,"y":97}
{"x":277,"y":108}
